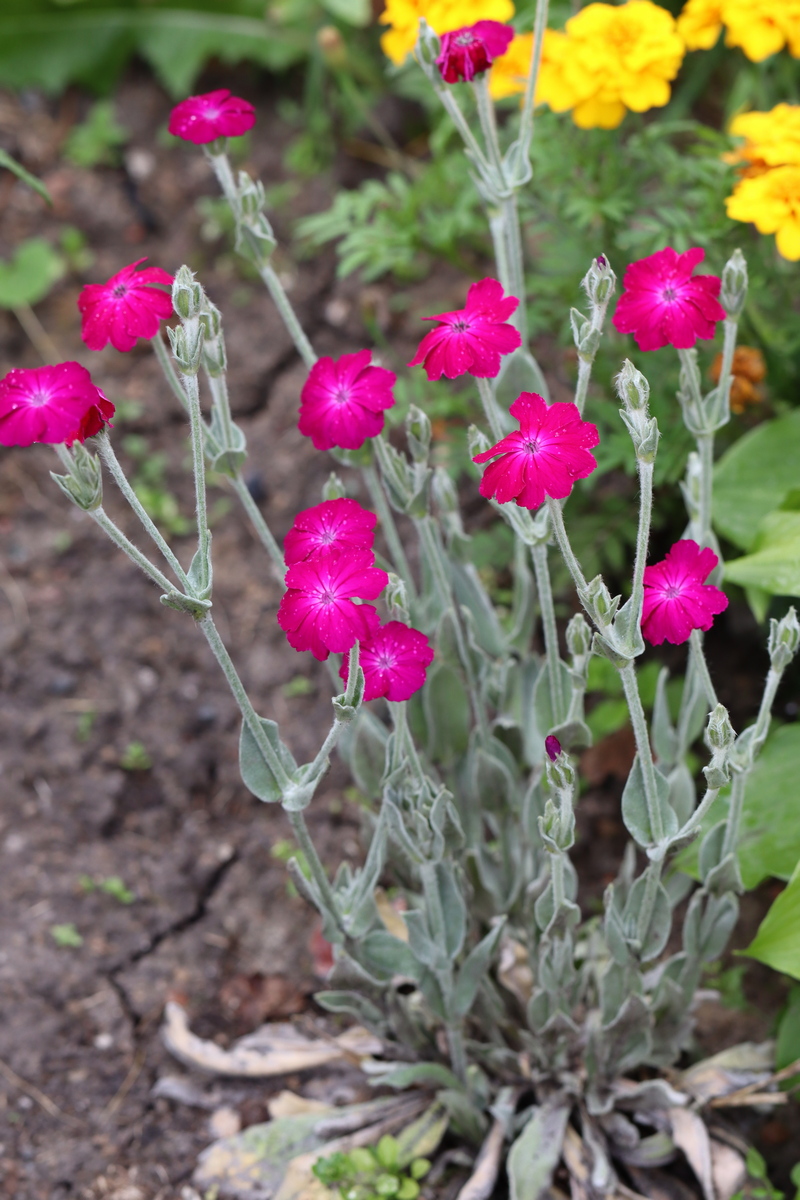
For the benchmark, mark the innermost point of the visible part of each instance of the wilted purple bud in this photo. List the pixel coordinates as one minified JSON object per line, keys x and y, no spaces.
{"x":553,"y":747}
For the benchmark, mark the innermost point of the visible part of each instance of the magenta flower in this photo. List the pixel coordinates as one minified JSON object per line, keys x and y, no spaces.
{"x":51,"y":404}
{"x":471,"y":340}
{"x":394,"y":662}
{"x":676,"y":598}
{"x":553,"y":747}
{"x":317,"y":612}
{"x":343,"y":400}
{"x":203,"y":119}
{"x":331,"y":527}
{"x":128,"y":306}
{"x":467,"y":52}
{"x":663,"y":304}
{"x":546,"y":456}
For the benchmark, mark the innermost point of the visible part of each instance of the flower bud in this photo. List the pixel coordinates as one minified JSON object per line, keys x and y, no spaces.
{"x":579,"y":636}
{"x":734,"y":284}
{"x":418,"y":432}
{"x":632,"y":387}
{"x":84,"y":483}
{"x":332,"y":46}
{"x":187,"y":347}
{"x":477,"y":441}
{"x":215,"y":359}
{"x":784,"y":637}
{"x":580,"y":325}
{"x":719,"y":731}
{"x":600,"y":282}
{"x":255,"y":239}
{"x":552,"y":746}
{"x":444,"y":492}
{"x":396,"y":597}
{"x":427,"y":50}
{"x":599,"y":597}
{"x":252,"y":197}
{"x":333,"y":489}
{"x":188,"y":298}
{"x":211,"y":318}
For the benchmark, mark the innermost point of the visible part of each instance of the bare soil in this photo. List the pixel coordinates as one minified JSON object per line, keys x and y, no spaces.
{"x":91,"y":663}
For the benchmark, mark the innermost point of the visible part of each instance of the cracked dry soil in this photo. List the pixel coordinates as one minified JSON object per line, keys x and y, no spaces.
{"x":90,"y":662}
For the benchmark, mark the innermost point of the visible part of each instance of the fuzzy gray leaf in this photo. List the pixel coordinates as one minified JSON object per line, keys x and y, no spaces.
{"x":535,"y":1154}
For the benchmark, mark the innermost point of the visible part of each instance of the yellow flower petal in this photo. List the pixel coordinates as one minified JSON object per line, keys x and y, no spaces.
{"x":787,"y":239}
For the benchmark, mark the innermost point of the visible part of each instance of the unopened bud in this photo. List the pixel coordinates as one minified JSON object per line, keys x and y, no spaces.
{"x":719,"y":731}
{"x":211,"y":318}
{"x":426,"y":51}
{"x":252,"y":197}
{"x":444,"y":492}
{"x":559,"y":770}
{"x":599,"y":282}
{"x":733,"y":292}
{"x":579,"y":636}
{"x":477,"y":441}
{"x":644,"y":434}
{"x":600,"y":600}
{"x":784,"y":638}
{"x":553,"y":747}
{"x":632,"y":387}
{"x":255,"y":239}
{"x":215,"y":359}
{"x":332,"y":46}
{"x":84,"y":483}
{"x":334,"y":488}
{"x":418,"y":432}
{"x":396,"y":597}
{"x":187,"y":347}
{"x":188,"y":298}
{"x":580,"y":325}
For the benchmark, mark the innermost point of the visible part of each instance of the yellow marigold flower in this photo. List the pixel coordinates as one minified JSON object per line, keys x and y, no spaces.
{"x":700,"y":23}
{"x":442,"y":15}
{"x":509,"y":73}
{"x":762,"y":27}
{"x":773,"y":138}
{"x":772,"y":202}
{"x":623,"y":57}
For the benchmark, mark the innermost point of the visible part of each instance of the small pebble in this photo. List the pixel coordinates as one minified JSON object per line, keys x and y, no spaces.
{"x":224,"y":1122}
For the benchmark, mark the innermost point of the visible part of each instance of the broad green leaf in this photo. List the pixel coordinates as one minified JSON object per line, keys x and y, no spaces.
{"x":253,"y":767}
{"x":787,"y":1043}
{"x":777,"y":942}
{"x":12,"y":165}
{"x":354,"y":12}
{"x":635,"y":812}
{"x":774,"y":563}
{"x":769,"y":842}
{"x":535,"y":1154}
{"x":30,"y":274}
{"x":754,"y":476}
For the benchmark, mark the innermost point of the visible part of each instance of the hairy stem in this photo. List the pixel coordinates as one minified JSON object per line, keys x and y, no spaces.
{"x":627,"y":674}
{"x":196,"y":422}
{"x":378,"y":498}
{"x":168,"y":367}
{"x":263,"y":531}
{"x":541,"y":572}
{"x":288,"y":315}
{"x":495,"y":416}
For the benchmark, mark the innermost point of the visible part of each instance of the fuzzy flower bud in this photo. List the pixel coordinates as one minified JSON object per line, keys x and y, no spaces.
{"x":632,"y":388}
{"x":418,"y":432}
{"x":427,"y":50}
{"x":784,"y":638}
{"x":333,"y":489}
{"x":599,"y":282}
{"x":84,"y":483}
{"x":719,"y":732}
{"x":734,"y":284}
{"x":252,"y":197}
{"x":477,"y":441}
{"x":599,"y":597}
{"x":188,"y":298}
{"x":396,"y":597}
{"x":187,"y":347}
{"x":579,"y":636}
{"x":552,"y":746}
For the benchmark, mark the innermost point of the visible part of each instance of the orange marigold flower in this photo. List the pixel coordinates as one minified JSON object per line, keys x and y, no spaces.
{"x":759,"y":28}
{"x":749,"y":370}
{"x":772,"y":138}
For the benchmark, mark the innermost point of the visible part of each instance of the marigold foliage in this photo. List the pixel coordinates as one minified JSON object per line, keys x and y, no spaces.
{"x":769,"y":193}
{"x":610,"y":59}
{"x":402,"y":17}
{"x":759,"y":28}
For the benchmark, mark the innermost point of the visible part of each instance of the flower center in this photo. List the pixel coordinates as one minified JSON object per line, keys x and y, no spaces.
{"x":327,"y":596}
{"x":672,"y":592}
{"x":460,"y":326}
{"x":669,"y":294}
{"x":119,"y":291}
{"x":385,"y":660}
{"x":464,"y":39}
{"x":326,"y":536}
{"x":531,"y":445}
{"x":37,"y":399}
{"x":341,"y":395}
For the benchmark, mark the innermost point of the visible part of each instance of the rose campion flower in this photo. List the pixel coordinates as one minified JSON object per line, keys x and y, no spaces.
{"x":317,"y":612}
{"x":469,"y":51}
{"x":203,"y":119}
{"x":471,"y":340}
{"x":546,"y":456}
{"x":331,"y":527}
{"x":676,"y":597}
{"x":128,"y":306}
{"x":394,"y":662}
{"x":343,"y":401}
{"x":553,"y":747}
{"x":51,"y":404}
{"x":663,"y":304}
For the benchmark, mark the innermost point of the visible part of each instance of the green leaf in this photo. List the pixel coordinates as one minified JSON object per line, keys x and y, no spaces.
{"x":12,"y":165}
{"x":754,"y":477}
{"x":447,"y":714}
{"x":535,"y":1154}
{"x":635,"y":813}
{"x":255,"y":772}
{"x":777,"y":942}
{"x":474,"y":970}
{"x":66,"y":936}
{"x":354,"y":12}
{"x":787,"y":1045}
{"x":30,"y":274}
{"x":774,"y":564}
{"x":423,"y":1074}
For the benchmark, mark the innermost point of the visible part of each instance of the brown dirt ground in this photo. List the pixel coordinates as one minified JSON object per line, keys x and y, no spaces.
{"x":91,"y":662}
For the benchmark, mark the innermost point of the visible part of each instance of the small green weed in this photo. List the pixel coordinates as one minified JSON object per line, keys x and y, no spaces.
{"x":112,"y":886}
{"x":66,"y":936}
{"x":149,"y":483}
{"x":85,"y":725}
{"x":97,"y":141}
{"x":368,"y":1173}
{"x":135,"y":758}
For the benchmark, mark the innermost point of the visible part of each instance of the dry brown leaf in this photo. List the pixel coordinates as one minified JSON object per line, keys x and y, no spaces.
{"x":390,"y":916}
{"x":732,"y":1069}
{"x":690,"y":1134}
{"x":289,"y":1104}
{"x":728,"y":1170}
